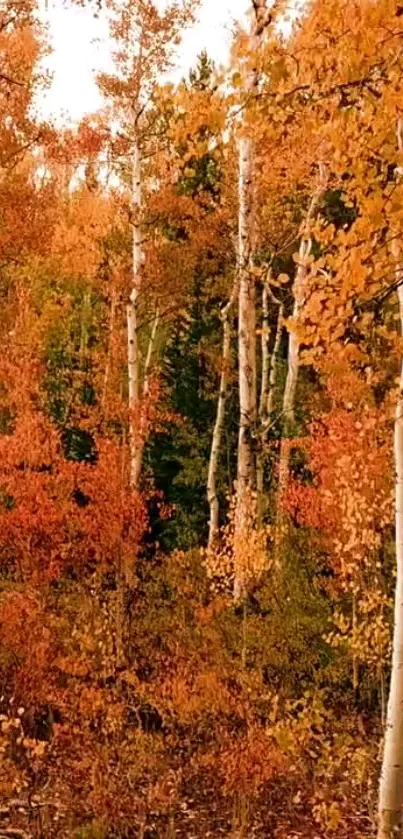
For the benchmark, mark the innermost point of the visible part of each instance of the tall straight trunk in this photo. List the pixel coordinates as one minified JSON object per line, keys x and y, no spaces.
{"x":246,"y":468}
{"x":212,"y":496}
{"x":267,"y":386}
{"x":133,"y":357}
{"x":264,"y":383}
{"x":247,"y":326}
{"x":290,"y":389}
{"x":141,"y":418}
{"x":274,"y":363}
{"x":150,"y":352}
{"x":391,"y":783}
{"x":293,"y":361}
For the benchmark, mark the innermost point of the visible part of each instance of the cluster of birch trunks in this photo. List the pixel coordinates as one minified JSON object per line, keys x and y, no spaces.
{"x":256,"y":411}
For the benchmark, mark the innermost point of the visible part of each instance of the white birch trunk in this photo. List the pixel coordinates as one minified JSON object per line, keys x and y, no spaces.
{"x":298,"y":294}
{"x":141,"y":419}
{"x":274,"y":363}
{"x":247,"y":325}
{"x":133,"y":357}
{"x":267,"y":388}
{"x":150,"y":352}
{"x":264,"y":384}
{"x":212,"y":496}
{"x":391,"y":783}
{"x":292,"y":377}
{"x":246,"y":469}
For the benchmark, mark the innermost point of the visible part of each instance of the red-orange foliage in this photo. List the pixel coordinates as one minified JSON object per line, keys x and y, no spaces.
{"x":346,"y":451}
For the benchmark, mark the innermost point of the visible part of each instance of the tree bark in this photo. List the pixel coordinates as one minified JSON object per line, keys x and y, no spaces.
{"x":141,"y":419}
{"x":391,"y":784}
{"x":246,"y":469}
{"x":150,"y":352}
{"x":267,"y":388}
{"x":212,"y":496}
{"x":133,"y":358}
{"x":274,"y":363}
{"x":289,"y":395}
{"x":247,"y":327}
{"x":264,"y":384}
{"x":390,"y":825}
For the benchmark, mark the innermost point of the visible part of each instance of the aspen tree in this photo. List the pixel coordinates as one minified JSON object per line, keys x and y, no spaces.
{"x":273,"y":367}
{"x":268,"y":382}
{"x":145,"y":39}
{"x":212,"y":496}
{"x":133,"y":353}
{"x":246,"y":469}
{"x":391,"y":783}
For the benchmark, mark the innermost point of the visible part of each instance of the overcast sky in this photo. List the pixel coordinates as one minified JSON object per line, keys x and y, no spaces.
{"x":79,"y":43}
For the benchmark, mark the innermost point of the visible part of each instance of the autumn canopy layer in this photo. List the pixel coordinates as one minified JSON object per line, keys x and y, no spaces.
{"x":201,"y":432}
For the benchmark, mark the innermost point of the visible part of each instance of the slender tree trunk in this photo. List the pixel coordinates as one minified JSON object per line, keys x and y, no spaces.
{"x":150,"y":353}
{"x":264,"y":384}
{"x":274,"y":363}
{"x":212,"y":496}
{"x":391,"y":785}
{"x":267,"y":389}
{"x":247,"y":328}
{"x":294,"y":363}
{"x":141,"y":420}
{"x":289,"y":398}
{"x":391,"y":782}
{"x":246,"y":470}
{"x":133,"y":359}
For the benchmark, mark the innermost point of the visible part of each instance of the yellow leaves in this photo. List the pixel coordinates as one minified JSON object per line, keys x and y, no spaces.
{"x":280,"y":281}
{"x":35,"y":748}
{"x":244,"y":548}
{"x":78,"y":233}
{"x":328,"y":815}
{"x":324,"y":233}
{"x":375,"y":209}
{"x":279,"y":69}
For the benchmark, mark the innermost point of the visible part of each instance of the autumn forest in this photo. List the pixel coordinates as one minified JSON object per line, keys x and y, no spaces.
{"x":201,"y":431}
